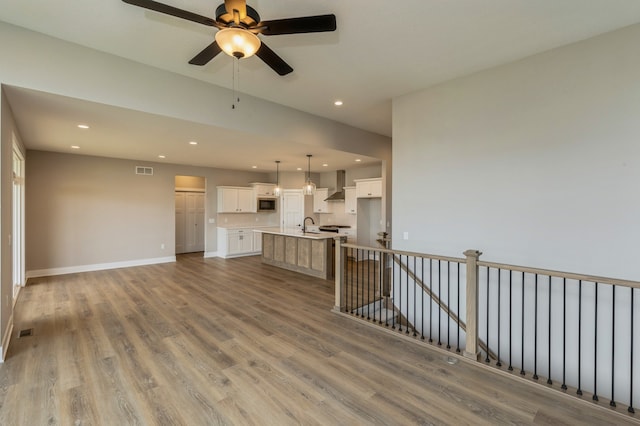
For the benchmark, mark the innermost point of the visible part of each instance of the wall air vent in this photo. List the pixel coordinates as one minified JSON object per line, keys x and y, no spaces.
{"x":141,"y":170}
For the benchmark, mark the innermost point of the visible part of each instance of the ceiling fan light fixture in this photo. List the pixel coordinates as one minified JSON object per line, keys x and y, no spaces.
{"x":237,"y":42}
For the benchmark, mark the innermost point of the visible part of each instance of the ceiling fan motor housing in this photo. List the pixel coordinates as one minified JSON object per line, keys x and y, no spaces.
{"x":227,"y":18}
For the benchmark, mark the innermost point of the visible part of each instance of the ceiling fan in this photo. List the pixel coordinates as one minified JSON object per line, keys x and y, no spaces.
{"x":238,"y":26}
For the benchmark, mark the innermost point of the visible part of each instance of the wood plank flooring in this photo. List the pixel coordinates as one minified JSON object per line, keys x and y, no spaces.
{"x":213,"y":341}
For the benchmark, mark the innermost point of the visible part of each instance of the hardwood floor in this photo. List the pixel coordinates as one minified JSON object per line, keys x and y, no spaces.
{"x":213,"y":341}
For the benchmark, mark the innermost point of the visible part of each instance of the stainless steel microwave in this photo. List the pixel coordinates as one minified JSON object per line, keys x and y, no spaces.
{"x":267,"y":204}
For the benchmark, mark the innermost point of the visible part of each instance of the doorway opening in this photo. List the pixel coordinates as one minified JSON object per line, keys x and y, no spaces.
{"x":189,"y":214}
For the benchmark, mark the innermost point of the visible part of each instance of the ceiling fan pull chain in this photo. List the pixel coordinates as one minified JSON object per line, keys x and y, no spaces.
{"x":233,"y":77}
{"x":238,"y":81}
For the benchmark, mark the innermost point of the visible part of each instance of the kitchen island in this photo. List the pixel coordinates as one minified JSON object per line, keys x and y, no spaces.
{"x":310,"y":253}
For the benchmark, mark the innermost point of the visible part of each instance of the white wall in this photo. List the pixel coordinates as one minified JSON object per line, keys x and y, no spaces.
{"x":84,"y":212}
{"x":536,"y":162}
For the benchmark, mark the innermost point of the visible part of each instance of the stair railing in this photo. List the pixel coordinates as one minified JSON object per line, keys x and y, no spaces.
{"x":570,"y":332}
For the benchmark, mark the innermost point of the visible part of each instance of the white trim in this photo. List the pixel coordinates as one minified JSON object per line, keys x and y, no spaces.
{"x":187,"y":189}
{"x":231,"y":256}
{"x":211,"y":254}
{"x":6,"y":339}
{"x":98,"y":267}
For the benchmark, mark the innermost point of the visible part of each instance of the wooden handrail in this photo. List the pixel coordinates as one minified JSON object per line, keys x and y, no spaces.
{"x":560,"y":274}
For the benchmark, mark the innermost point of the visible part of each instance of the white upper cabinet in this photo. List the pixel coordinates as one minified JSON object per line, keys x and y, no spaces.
{"x":319,"y":203}
{"x":350,"y":201}
{"x":236,"y":200}
{"x":369,"y":188}
{"x":264,"y":190}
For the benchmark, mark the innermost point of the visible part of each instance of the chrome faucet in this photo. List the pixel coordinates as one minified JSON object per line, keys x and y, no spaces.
{"x":304,"y":223}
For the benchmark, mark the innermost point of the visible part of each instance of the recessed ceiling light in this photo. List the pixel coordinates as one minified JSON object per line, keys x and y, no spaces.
{"x":325,"y":165}
{"x":75,"y":147}
{"x":338,"y":103}
{"x":358,"y":160}
{"x":193,"y":143}
{"x":161,"y":156}
{"x":83,"y":126}
{"x":299,"y":168}
{"x":254,"y":167}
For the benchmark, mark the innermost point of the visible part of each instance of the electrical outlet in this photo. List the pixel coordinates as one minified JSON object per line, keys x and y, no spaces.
{"x":162,"y":246}
{"x":405,"y":235}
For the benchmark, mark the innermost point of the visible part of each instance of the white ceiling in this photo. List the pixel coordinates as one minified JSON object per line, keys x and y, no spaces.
{"x":381,"y":49}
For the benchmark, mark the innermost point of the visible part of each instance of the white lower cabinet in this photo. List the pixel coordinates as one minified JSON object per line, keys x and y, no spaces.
{"x":233,"y":242}
{"x":257,"y":241}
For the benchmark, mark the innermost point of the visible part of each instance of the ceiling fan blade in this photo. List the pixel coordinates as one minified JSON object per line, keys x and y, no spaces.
{"x":306,"y":24}
{"x":206,"y":55}
{"x":239,"y":5}
{"x":173,"y":11}
{"x":274,"y":61}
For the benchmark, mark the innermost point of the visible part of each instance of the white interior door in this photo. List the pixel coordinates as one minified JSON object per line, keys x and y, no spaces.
{"x":194,"y":222}
{"x":292,"y":208}
{"x":189,"y":222}
{"x":181,"y":222}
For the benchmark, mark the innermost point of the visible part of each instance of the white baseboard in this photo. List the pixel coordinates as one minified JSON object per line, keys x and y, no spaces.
{"x":210,"y":254}
{"x":231,"y":256}
{"x":97,"y":267}
{"x":6,"y":339}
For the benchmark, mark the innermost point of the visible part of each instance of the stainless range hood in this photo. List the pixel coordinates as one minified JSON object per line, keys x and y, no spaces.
{"x":340,"y":180}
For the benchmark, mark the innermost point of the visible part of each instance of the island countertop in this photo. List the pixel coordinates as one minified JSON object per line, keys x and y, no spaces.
{"x":297,"y":232}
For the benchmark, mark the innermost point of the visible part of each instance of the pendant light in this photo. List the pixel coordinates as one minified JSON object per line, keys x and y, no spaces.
{"x":277,"y":190}
{"x":309,"y":187}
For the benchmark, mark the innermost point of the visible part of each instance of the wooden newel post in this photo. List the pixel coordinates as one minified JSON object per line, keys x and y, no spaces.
{"x":471,"y":349}
{"x":339,"y":273}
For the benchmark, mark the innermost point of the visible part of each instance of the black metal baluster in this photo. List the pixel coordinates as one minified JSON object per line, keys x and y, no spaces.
{"x":612,"y":403}
{"x":351,"y":275}
{"x":368,"y":284}
{"x":535,"y":331}
{"x":488,"y":284}
{"x":400,"y":300}
{"x":458,"y":309}
{"x":595,"y":349}
{"x":360,"y":288}
{"x":522,"y":331}
{"x":579,"y":391}
{"x":498,"y":363}
{"x":377,"y":276}
{"x":430,"y":300}
{"x":393,"y":305}
{"x":549,"y":382}
{"x":345,"y":281}
{"x":449,"y":304}
{"x":439,"y":300}
{"x":630,"y":409}
{"x":510,"y":317}
{"x":415,"y":295}
{"x":354,"y":289}
{"x":406,"y":329}
{"x":422,"y":292}
{"x":383,"y":283}
{"x":564,"y":334}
